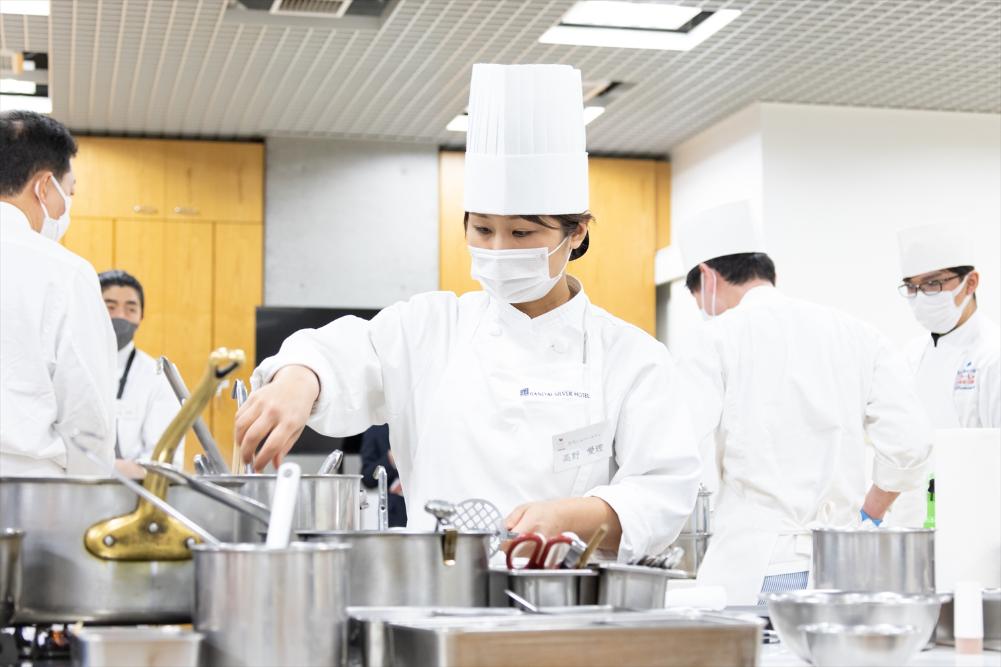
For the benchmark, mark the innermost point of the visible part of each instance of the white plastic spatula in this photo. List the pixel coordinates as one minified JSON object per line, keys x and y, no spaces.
{"x":283,"y":506}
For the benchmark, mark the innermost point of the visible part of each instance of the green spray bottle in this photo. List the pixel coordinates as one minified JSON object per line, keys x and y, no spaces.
{"x":930,"y":512}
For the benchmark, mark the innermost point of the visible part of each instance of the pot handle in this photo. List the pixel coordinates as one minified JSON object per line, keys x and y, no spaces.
{"x":382,"y":477}
{"x":148,"y":496}
{"x":449,"y":541}
{"x":252,"y":508}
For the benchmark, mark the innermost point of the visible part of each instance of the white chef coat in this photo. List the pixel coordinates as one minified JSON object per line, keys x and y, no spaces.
{"x":474,"y":391}
{"x":146,"y":407}
{"x":57,"y":355}
{"x":958,"y":376}
{"x":790,"y":391}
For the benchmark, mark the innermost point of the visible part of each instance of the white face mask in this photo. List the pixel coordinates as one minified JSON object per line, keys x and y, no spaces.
{"x":517,"y":275}
{"x":55,"y":228}
{"x":938,"y":313}
{"x":706,"y":314}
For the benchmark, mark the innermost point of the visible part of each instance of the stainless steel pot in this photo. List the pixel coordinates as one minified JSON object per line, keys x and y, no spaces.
{"x":408,"y":568}
{"x":634,"y":586}
{"x":68,"y":583}
{"x":261,"y":606}
{"x":554,"y":588}
{"x":10,"y":573}
{"x":325,"y":502}
{"x":901,"y":560}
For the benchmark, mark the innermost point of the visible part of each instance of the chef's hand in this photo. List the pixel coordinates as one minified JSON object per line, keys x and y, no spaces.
{"x":276,"y":414}
{"x":130,"y":469}
{"x":579,"y":515}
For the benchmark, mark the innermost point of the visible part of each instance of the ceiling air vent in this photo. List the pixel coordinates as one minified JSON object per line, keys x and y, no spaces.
{"x":334,"y":9}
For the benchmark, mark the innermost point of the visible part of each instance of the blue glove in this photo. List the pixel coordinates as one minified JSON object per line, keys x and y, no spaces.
{"x":866,"y":517}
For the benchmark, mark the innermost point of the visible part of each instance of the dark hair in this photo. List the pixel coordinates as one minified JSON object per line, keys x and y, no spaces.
{"x":736,"y":269}
{"x":567,"y":221}
{"x":119,"y":278}
{"x":30,"y":143}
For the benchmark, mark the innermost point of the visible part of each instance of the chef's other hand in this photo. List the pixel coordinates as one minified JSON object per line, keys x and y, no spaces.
{"x":579,"y":515}
{"x":276,"y":414}
{"x":130,"y":469}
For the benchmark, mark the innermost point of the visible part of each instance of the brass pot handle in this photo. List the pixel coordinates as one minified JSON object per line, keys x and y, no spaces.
{"x":449,"y":542}
{"x":147,"y":533}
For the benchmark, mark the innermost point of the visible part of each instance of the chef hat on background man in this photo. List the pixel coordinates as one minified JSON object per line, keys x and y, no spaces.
{"x":728,"y":229}
{"x":934,"y":247}
{"x":525,"y":149}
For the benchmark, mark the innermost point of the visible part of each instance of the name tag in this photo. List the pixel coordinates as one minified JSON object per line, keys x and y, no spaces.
{"x":580,"y":447}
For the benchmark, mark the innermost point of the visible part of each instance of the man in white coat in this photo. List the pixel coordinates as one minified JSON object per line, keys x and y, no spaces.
{"x":57,"y":350}
{"x":146,"y":404}
{"x":790,"y":391}
{"x":957,"y":365}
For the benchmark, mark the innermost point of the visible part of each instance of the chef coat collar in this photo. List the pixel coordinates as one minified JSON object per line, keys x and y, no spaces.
{"x":963,"y":335}
{"x":760,"y":294}
{"x":123,"y":354}
{"x":14,"y":220}
{"x":569,"y":314}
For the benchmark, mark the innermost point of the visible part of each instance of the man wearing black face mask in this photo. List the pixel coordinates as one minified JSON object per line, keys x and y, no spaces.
{"x":145,"y":402}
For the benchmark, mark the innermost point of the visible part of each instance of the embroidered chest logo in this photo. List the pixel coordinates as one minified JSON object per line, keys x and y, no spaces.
{"x":966,"y":377}
{"x":565,"y":393}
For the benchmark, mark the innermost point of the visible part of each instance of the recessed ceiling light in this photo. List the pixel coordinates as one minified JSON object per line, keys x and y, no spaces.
{"x":617,"y":14}
{"x":458,"y":124}
{"x":590,"y":113}
{"x":29,"y":7}
{"x":18,"y":87}
{"x":625,"y":31}
{"x":25,"y":103}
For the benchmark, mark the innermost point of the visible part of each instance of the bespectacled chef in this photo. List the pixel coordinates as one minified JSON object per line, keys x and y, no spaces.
{"x":525,"y":393}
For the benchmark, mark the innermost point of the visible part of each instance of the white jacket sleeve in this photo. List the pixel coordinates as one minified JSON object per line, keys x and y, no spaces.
{"x":654,"y":489}
{"x":897,"y":427}
{"x":85,"y":371}
{"x":161,"y":408}
{"x":990,"y":394}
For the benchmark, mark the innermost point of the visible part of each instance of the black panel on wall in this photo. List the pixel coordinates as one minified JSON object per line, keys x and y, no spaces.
{"x":274,"y":325}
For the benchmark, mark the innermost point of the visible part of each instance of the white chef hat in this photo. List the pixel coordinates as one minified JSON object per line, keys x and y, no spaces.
{"x":525,"y":149}
{"x":934,"y":247}
{"x":729,"y":229}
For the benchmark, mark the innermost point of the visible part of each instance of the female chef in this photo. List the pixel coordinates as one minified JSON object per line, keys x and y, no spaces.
{"x":526,"y":393}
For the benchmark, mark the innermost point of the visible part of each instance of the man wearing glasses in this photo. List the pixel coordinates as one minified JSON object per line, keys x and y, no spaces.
{"x":958,"y":368}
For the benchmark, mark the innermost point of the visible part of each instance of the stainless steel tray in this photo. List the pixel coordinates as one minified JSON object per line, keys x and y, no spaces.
{"x":676,"y":638}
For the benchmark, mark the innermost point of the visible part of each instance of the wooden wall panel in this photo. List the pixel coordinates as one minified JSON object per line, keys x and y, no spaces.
{"x":663,"y":174}
{"x":119,"y":178}
{"x":93,"y":239}
{"x":140,"y":250}
{"x":215,"y":181}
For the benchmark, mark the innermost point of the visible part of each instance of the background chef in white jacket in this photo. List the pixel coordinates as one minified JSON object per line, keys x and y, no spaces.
{"x":57,"y":349}
{"x":525,"y":394}
{"x":957,"y":368}
{"x":146,"y":405}
{"x":790,"y":391}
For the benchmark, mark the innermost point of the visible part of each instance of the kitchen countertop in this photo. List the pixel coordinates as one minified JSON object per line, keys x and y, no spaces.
{"x":777,"y":655}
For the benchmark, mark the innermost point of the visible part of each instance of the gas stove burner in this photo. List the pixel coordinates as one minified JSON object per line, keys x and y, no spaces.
{"x":35,"y":645}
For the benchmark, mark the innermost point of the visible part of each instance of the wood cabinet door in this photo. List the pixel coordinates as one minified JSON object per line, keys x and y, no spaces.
{"x":92,"y":239}
{"x":139,"y":249}
{"x":215,"y":181}
{"x":238,"y":290}
{"x":119,"y":178}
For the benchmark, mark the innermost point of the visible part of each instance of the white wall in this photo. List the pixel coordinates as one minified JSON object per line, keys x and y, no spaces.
{"x":834,"y":184}
{"x":349,"y":224}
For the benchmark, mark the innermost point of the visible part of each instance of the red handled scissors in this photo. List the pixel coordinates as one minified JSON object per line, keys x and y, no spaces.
{"x":527,"y":545}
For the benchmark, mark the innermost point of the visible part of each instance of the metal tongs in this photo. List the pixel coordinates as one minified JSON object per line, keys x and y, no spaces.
{"x":214,"y":462}
{"x":240,"y":395}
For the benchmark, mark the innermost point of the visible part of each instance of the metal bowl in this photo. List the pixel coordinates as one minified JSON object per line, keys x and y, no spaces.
{"x":833,"y":645}
{"x":790,"y":611}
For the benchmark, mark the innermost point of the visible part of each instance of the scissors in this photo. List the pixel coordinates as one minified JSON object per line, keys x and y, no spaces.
{"x":532,"y":544}
{"x":556,"y":550}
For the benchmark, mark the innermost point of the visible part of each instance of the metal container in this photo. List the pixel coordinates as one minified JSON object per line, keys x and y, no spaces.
{"x":790,"y":612}
{"x":325,"y":502}
{"x":992,"y":621}
{"x":407,"y":567}
{"x":634,"y":586}
{"x":10,"y":573}
{"x":838,"y":553}
{"x":834,"y":645}
{"x":584,"y":640}
{"x":553,"y":588}
{"x":261,"y":606}
{"x":68,"y":583}
{"x":700,"y":520}
{"x":369,"y":639}
{"x":164,"y":646}
{"x":694,"y":546}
